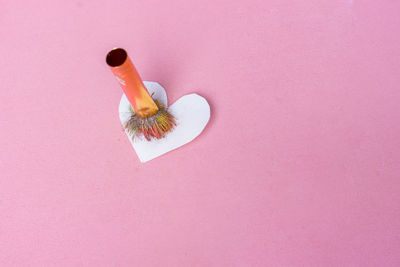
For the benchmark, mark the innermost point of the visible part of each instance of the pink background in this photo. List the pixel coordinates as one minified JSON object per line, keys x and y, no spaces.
{"x":299,"y":165}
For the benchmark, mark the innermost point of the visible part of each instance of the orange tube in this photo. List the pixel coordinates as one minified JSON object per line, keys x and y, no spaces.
{"x":131,"y":83}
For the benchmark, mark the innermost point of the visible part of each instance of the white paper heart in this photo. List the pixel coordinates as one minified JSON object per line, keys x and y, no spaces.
{"x":191,"y":112}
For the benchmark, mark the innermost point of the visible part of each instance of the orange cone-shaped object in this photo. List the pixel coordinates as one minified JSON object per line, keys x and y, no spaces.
{"x":131,"y":83}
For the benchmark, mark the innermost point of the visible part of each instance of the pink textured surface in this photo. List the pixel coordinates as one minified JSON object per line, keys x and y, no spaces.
{"x":299,"y":165}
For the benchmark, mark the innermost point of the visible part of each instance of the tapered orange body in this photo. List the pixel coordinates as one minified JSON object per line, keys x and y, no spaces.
{"x":131,"y":83}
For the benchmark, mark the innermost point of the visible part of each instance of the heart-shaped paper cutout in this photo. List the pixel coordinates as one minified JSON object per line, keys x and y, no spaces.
{"x":191,"y":113}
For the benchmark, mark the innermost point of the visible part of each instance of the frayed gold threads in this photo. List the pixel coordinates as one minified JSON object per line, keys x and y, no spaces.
{"x":152,"y":127}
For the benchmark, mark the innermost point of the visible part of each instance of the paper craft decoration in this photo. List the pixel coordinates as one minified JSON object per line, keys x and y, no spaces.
{"x":191,"y":112}
{"x":152,"y":127}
